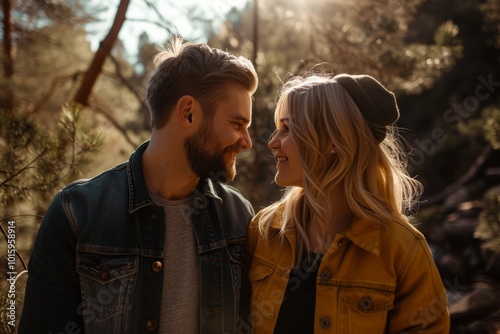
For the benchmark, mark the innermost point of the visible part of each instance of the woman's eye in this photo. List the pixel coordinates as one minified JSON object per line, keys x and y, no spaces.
{"x":283,"y":129}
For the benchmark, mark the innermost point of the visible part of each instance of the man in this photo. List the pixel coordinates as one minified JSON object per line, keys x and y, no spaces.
{"x":155,"y":244}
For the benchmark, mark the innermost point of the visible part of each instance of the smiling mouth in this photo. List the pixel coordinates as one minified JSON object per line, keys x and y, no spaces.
{"x":232,"y":156}
{"x":280,"y":160}
{"x":232,"y":151}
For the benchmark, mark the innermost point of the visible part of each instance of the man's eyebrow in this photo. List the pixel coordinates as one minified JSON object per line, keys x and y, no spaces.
{"x":246,"y":121}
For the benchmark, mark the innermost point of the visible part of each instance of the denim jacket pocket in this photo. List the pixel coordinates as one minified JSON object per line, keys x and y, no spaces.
{"x":107,"y":281}
{"x":364,"y":310}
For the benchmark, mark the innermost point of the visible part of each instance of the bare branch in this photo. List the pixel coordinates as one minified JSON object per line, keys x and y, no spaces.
{"x":21,"y":170}
{"x":474,"y":171}
{"x":159,"y":24}
{"x":104,"y":50}
{"x":8,"y":51}
{"x":119,"y":75}
{"x":153,"y":7}
{"x":113,"y":121}
{"x":56,"y":82}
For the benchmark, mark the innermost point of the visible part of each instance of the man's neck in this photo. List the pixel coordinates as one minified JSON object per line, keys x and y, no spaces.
{"x":166,"y":171}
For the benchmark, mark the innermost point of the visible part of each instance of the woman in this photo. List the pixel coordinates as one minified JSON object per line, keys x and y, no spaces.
{"x":337,"y":253}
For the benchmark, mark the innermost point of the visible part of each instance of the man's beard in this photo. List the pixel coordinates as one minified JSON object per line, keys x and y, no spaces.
{"x":206,"y":158}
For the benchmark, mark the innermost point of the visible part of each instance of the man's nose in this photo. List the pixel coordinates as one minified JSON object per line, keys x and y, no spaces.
{"x":246,"y":141}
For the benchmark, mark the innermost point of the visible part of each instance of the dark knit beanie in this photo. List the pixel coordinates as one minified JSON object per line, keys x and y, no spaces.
{"x":376,"y":103}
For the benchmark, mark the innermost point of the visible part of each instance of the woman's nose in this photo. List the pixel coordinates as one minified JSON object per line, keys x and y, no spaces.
{"x":273,"y":141}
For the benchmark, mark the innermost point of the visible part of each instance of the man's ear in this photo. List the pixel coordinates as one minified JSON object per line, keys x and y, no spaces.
{"x":186,"y":110}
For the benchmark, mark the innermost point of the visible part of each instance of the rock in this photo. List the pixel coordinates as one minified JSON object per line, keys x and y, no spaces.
{"x":480,"y":303}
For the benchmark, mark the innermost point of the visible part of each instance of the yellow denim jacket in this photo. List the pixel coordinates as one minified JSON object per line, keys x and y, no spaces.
{"x":372,"y":279}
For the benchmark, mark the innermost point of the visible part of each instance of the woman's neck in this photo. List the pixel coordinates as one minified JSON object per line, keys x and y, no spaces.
{"x":337,"y":218}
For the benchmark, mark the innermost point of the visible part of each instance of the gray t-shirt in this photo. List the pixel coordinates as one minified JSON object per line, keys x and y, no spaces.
{"x":180,"y":307}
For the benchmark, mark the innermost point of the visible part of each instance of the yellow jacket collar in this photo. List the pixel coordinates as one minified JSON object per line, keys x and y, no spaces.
{"x":363,"y":234}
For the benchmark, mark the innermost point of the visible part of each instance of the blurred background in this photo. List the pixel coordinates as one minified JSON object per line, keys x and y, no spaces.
{"x":72,"y":105}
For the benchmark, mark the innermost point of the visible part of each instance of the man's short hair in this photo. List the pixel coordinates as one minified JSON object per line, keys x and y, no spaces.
{"x":196,"y":70}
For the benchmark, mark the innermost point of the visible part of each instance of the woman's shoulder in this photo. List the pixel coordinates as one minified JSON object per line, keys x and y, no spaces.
{"x":403,"y":238}
{"x":269,"y":215}
{"x":394,"y":237}
{"x":404,"y":230}
{"x":264,"y":227}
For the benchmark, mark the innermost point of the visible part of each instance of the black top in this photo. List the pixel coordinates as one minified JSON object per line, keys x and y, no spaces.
{"x":297,"y":309}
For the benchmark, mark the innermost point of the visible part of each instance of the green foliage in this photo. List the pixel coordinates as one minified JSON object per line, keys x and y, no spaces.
{"x":491,"y":13}
{"x":35,"y":162}
{"x":351,"y":37}
{"x":446,"y":35}
{"x":453,"y":106}
{"x":492,"y":126}
{"x":45,"y":12}
{"x":376,"y":42}
{"x":472,"y":130}
{"x":489,"y":222}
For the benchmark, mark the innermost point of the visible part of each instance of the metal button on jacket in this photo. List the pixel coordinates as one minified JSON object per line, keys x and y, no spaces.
{"x":157,"y":266}
{"x":104,"y":274}
{"x":151,"y":325}
{"x":324,"y":322}
{"x":326,"y":274}
{"x":366,"y":303}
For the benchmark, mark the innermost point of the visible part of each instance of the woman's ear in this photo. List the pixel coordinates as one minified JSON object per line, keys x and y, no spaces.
{"x":333,"y":149}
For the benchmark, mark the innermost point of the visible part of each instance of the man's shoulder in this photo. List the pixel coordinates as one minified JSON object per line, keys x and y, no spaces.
{"x":229,"y":190}
{"x":108,"y":185}
{"x":101,"y":179}
{"x":230,"y":194}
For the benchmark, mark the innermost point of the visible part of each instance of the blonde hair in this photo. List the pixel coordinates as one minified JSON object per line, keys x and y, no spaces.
{"x":372,"y":175}
{"x":197,"y":70}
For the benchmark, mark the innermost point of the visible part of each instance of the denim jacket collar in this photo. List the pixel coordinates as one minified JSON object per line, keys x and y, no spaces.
{"x":138,"y":191}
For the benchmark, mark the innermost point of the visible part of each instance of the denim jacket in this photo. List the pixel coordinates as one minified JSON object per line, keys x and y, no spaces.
{"x":96,"y":266}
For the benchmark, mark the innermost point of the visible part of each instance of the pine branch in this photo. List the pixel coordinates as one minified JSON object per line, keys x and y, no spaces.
{"x":23,"y":169}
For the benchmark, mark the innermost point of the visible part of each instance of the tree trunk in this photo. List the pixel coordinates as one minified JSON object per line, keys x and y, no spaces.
{"x":8,"y":50}
{"x":255,"y":33}
{"x":104,"y":50}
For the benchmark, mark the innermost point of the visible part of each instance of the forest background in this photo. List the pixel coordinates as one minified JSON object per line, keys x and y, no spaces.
{"x":69,"y":111}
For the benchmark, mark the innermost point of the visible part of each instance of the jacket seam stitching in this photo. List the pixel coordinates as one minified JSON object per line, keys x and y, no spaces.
{"x":66,"y":204}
